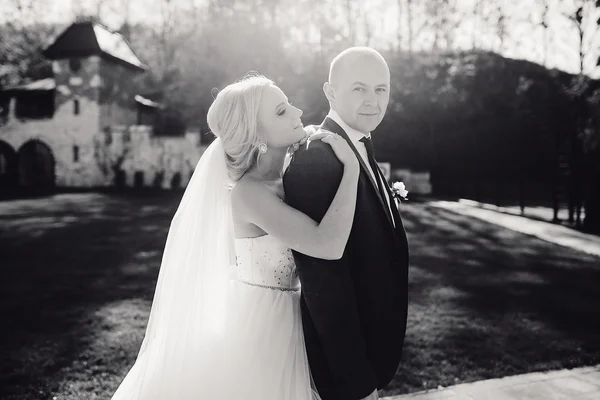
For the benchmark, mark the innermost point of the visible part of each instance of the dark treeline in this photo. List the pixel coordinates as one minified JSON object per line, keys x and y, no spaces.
{"x":485,"y":126}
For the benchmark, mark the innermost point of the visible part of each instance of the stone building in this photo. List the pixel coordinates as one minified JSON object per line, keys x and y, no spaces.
{"x":86,"y":126}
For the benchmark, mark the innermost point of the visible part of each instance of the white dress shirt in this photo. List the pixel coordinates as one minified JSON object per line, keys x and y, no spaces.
{"x":355,"y":136}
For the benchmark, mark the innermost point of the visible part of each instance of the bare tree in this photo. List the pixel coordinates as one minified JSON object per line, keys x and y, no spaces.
{"x":368,"y":28}
{"x":476,"y":32}
{"x":410,"y":22}
{"x":24,"y":33}
{"x":501,"y":22}
{"x":543,"y":24}
{"x":491,"y":19}
{"x":415,"y":26}
{"x":27,"y":13}
{"x":350,"y":20}
{"x":442,"y":21}
{"x":584,"y":17}
{"x":435,"y":17}
{"x":400,"y":24}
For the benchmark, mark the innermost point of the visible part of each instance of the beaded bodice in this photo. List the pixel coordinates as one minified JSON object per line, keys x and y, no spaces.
{"x":265,"y":261}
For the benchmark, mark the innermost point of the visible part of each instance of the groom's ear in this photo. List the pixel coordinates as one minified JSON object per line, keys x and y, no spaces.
{"x":329,"y":92}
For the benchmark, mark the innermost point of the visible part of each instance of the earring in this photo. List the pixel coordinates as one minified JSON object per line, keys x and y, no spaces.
{"x":262,"y":148}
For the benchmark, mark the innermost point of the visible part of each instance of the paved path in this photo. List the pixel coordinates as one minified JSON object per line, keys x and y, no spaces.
{"x":575,"y":384}
{"x":547,"y":231}
{"x":536,"y":212}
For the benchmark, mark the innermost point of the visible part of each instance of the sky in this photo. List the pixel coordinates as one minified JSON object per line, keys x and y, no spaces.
{"x":523,"y":41}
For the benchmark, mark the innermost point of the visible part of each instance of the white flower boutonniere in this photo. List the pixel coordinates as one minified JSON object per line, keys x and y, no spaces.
{"x":399,"y":190}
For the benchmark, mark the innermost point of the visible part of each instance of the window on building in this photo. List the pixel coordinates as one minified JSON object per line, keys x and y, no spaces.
{"x":74,"y":64}
{"x":34,"y":104}
{"x":75,"y":153}
{"x":4,"y":107}
{"x":76,"y":107}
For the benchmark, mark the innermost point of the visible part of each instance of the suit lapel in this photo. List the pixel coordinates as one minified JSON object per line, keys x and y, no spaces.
{"x":332,"y":126}
{"x":394,"y":209}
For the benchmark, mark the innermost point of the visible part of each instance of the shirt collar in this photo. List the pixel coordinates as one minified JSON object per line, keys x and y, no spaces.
{"x":352,"y":133}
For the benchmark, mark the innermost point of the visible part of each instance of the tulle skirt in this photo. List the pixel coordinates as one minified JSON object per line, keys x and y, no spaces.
{"x":259,"y":355}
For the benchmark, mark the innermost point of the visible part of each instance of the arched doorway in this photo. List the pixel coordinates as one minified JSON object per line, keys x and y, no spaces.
{"x":36,"y":167}
{"x":8,"y":168}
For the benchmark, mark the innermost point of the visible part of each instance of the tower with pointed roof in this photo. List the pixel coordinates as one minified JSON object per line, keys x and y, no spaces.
{"x":87,"y":126}
{"x":95,"y":70}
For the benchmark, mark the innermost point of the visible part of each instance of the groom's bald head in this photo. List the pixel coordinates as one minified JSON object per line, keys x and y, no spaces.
{"x":352,"y":59}
{"x":359,"y":87}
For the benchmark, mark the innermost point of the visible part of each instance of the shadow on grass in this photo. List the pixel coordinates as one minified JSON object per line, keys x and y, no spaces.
{"x":63,"y":259}
{"x":79,"y":272}
{"x":488,"y":302}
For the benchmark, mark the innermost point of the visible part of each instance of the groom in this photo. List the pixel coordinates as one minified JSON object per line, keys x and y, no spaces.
{"x":353,"y":309}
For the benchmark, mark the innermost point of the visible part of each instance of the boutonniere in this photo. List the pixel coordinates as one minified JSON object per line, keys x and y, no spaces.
{"x":399,"y":191}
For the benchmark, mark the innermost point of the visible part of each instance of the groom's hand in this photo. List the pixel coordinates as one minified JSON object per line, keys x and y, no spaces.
{"x":372,"y":396}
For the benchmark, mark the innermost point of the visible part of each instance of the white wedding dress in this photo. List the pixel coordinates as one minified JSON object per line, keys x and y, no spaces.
{"x":266,"y":355}
{"x":225,"y":321}
{"x":260,"y":352}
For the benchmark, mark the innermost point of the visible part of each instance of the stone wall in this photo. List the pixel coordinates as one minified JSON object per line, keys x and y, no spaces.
{"x":157,"y":161}
{"x":106,"y":83}
{"x":61,"y":134}
{"x":116,"y":95}
{"x":92,"y":136}
{"x":81,"y":84}
{"x":131,"y":149}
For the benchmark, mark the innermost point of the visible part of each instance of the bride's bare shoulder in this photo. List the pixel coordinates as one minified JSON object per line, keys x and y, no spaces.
{"x":245,"y":183}
{"x":247,"y":191}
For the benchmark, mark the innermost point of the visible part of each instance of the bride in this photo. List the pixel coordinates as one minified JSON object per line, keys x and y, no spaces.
{"x":225,"y":320}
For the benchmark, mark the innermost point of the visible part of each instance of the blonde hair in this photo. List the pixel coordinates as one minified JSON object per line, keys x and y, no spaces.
{"x":233,"y":117}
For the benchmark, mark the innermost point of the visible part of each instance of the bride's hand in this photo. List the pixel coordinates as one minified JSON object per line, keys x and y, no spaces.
{"x":311,"y":129}
{"x":292,"y":149}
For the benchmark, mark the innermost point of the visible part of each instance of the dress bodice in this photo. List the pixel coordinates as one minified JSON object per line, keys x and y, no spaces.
{"x":265,"y":261}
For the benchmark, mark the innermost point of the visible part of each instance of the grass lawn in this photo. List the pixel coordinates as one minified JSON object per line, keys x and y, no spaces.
{"x":78,"y":274}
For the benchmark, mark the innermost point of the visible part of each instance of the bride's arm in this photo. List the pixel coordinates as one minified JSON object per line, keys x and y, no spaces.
{"x":258,"y":205}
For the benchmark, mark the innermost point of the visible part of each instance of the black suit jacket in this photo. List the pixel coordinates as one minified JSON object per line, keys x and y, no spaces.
{"x":354,"y":309}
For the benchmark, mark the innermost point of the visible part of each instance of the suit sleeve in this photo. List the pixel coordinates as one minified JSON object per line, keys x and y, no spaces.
{"x":310,"y":184}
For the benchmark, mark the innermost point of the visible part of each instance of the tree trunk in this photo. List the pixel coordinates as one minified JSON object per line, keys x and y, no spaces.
{"x":400,"y":25}
{"x":410,"y":25}
{"x":591,"y":223}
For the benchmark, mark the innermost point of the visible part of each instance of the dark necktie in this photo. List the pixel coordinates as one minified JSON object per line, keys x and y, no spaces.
{"x":371,"y":156}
